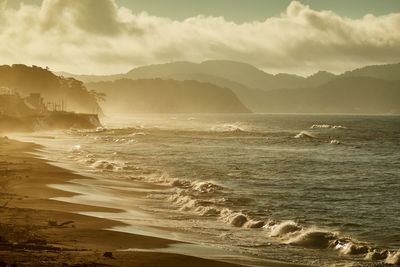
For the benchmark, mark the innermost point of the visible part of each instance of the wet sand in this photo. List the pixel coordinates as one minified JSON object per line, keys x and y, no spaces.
{"x":35,"y":230}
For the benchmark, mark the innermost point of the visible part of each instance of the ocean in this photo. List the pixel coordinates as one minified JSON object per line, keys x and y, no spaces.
{"x":311,"y":189}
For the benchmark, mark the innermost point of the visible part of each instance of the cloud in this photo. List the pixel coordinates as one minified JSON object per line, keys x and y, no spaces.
{"x":97,"y":36}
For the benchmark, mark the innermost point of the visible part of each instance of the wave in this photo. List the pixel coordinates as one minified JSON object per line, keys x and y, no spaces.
{"x":255,"y":224}
{"x":377,"y":255}
{"x":315,"y":239}
{"x":209,"y":199}
{"x":189,"y":196}
{"x":350,"y":248}
{"x":335,"y":142}
{"x":327,"y":126}
{"x":137,"y":134}
{"x":284,"y":228}
{"x":206,"y":187}
{"x":237,"y":219}
{"x":201,"y":198}
{"x":207,"y":211}
{"x":393,"y":258}
{"x":228,"y":127}
{"x":130,"y":134}
{"x":96,"y":162}
{"x":291,"y":233}
{"x":104,"y":165}
{"x":305,"y":134}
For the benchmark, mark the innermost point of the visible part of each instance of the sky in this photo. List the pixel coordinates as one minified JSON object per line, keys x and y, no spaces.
{"x":250,"y":10}
{"x":113,"y":36}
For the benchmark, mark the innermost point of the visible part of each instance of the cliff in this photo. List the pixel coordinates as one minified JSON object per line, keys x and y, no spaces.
{"x":71,"y":92}
{"x":29,"y":114}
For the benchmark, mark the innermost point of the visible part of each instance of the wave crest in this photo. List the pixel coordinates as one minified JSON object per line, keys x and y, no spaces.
{"x":314,"y":239}
{"x":285,"y":228}
{"x":393,"y":258}
{"x":327,"y":126}
{"x":377,"y":255}
{"x":206,"y":187}
{"x":305,"y":134}
{"x":236,"y":219}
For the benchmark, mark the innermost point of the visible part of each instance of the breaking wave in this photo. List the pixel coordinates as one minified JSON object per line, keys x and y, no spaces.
{"x":305,"y":134}
{"x":237,"y":219}
{"x":335,"y":142}
{"x":227,"y":127}
{"x":314,"y":239}
{"x":393,"y":258}
{"x":284,"y":228}
{"x":209,"y":199}
{"x":327,"y":126}
{"x":188,"y":198}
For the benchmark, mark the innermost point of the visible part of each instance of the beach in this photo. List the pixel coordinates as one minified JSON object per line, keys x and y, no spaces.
{"x":35,"y":230}
{"x":282,"y":192}
{"x":38,"y":238}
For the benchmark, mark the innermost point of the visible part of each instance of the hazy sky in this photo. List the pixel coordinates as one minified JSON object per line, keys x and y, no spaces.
{"x":111,"y":36}
{"x":249,"y":10}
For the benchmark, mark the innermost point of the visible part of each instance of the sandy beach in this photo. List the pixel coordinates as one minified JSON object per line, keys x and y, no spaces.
{"x":35,"y":230}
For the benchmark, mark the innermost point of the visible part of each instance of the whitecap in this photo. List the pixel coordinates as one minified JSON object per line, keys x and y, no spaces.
{"x":237,"y":219}
{"x":393,"y":258}
{"x":335,"y":142}
{"x":206,"y":187}
{"x":377,"y":255}
{"x":285,"y":228}
{"x":305,"y":134}
{"x":313,"y":239}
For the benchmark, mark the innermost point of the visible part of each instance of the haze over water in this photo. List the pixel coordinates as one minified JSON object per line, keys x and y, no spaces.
{"x":310,"y":189}
{"x":172,"y":111}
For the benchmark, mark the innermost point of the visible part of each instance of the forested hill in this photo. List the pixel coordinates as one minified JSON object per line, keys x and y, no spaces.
{"x":25,"y":80}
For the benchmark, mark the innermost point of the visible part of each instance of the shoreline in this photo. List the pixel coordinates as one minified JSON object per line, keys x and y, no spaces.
{"x":57,"y":233}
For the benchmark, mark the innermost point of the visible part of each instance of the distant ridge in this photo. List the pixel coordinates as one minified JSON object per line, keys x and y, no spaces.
{"x":243,"y":73}
{"x":266,"y":93}
{"x":167,"y":96}
{"x":385,"y":72}
{"x":356,"y":95}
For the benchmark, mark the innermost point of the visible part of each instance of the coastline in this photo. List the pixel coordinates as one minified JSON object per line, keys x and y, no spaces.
{"x":35,"y":229}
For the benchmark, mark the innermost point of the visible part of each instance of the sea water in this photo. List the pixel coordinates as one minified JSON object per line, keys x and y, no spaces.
{"x":312,"y":189}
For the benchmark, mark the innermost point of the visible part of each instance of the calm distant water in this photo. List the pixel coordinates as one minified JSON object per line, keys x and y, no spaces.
{"x":312,"y":189}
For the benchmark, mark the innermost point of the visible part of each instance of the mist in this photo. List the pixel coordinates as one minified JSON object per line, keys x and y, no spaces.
{"x":196,"y":133}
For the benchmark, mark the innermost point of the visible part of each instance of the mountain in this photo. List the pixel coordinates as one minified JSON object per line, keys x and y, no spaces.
{"x":251,"y":98}
{"x":344,"y":95}
{"x":260,"y":91}
{"x":26,"y":80}
{"x":320,"y":78}
{"x":167,"y":96}
{"x":385,"y":72}
{"x":87,"y":78}
{"x":242,"y":73}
